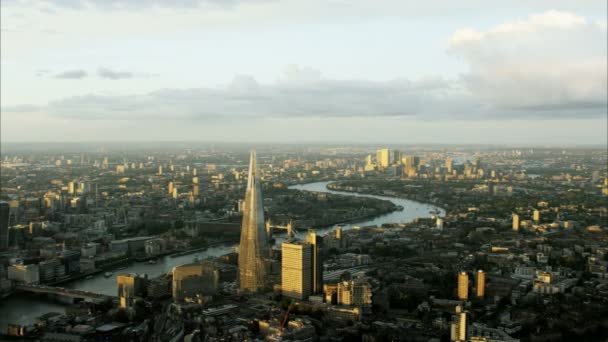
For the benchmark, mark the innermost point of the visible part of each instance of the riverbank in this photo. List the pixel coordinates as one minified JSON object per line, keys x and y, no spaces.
{"x":407,"y":210}
{"x":25,"y":309}
{"x":336,"y":186}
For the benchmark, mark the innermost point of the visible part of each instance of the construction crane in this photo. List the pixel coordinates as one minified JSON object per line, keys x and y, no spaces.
{"x":285,"y":319}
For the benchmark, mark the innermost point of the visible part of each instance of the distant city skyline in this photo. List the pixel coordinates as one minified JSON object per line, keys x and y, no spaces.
{"x":393,"y":72}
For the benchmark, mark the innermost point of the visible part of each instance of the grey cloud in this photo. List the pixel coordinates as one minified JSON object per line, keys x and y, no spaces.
{"x":24,"y":108}
{"x":244,"y":98}
{"x":113,"y":74}
{"x":72,"y":74}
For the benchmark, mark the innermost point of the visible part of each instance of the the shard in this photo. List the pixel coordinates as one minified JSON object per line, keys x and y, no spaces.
{"x":253,"y":249}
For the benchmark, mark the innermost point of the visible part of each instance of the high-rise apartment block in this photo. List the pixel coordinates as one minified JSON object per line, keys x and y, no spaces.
{"x":463,"y":286}
{"x":458,"y":331}
{"x":480,"y":284}
{"x":515,"y":222}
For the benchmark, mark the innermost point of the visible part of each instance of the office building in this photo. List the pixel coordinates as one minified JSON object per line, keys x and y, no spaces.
{"x":397,"y":155}
{"x":24,"y":274}
{"x":4,"y":217}
{"x":316,"y":242}
{"x":449,"y":165}
{"x":515,"y":222}
{"x":253,"y":248}
{"x":130,"y":286}
{"x":195,"y":188}
{"x":195,"y":280}
{"x":480,"y":284}
{"x":296,"y":269}
{"x":356,"y":292}
{"x":536,"y":216}
{"x":458,"y":331}
{"x":383,"y":157}
{"x":170,"y":188}
{"x":463,"y":286}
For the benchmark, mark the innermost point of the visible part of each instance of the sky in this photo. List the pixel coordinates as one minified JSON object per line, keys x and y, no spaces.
{"x":376,"y":71}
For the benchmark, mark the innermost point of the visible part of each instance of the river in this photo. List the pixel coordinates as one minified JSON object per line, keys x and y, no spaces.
{"x":24,"y":309}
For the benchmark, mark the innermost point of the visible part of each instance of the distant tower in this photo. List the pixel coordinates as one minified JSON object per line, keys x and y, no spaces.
{"x":515,"y":222}
{"x":160,"y":170}
{"x":397,"y":155}
{"x":170,"y":188}
{"x":448,"y":164}
{"x":71,"y":188}
{"x":480,"y":287}
{"x":536,"y":216}
{"x":4,"y":216}
{"x":383,"y":157}
{"x":439,"y":223}
{"x":459,"y":326}
{"x":253,"y":248}
{"x":195,"y":186}
{"x":463,"y":286}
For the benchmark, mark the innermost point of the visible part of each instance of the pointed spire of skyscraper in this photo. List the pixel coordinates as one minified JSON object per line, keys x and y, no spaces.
{"x":253,"y":249}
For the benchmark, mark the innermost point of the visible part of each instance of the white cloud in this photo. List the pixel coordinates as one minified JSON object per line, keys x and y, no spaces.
{"x":554,"y":60}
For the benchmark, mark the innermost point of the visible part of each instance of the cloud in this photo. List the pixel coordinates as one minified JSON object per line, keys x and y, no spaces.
{"x":72,"y":74}
{"x":304,"y":93}
{"x":113,"y":74}
{"x":132,"y":4}
{"x":554,"y":61}
{"x":244,"y":98}
{"x":18,"y":109}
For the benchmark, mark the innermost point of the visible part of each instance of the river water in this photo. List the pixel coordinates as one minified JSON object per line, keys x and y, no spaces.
{"x":24,"y":309}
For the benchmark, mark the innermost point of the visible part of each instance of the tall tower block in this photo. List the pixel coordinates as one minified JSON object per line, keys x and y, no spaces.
{"x":253,"y":248}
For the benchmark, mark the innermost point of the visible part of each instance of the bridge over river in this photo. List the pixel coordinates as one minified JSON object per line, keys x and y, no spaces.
{"x":70,"y":293}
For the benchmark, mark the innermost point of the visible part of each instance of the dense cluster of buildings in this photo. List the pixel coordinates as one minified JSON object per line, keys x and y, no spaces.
{"x":474,"y":273}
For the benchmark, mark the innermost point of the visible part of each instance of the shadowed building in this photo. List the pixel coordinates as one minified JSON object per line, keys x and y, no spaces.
{"x":253,"y":249}
{"x":4,"y":214}
{"x":193,"y":280}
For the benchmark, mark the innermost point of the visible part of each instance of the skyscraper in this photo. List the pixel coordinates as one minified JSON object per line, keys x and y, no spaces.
{"x":383,"y":157}
{"x":4,"y":215}
{"x":170,"y":188}
{"x":397,"y":155}
{"x":316,"y":242}
{"x":515,"y":222}
{"x":480,"y":287}
{"x":253,"y":248}
{"x":463,"y":286}
{"x":536,"y":216}
{"x":296,"y":269}
{"x":459,"y":325}
{"x":449,"y":165}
